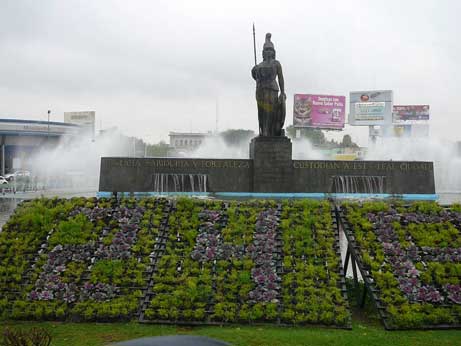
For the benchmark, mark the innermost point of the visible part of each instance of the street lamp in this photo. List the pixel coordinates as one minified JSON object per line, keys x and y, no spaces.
{"x":48,"y":136}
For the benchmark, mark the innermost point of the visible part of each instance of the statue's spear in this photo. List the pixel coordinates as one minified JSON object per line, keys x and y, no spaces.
{"x":254,"y":42}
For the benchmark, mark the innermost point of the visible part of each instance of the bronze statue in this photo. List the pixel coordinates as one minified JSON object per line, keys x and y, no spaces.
{"x":271,"y":105}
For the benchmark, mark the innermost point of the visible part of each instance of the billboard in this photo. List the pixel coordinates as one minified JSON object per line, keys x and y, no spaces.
{"x":370,"y":107}
{"x":320,"y":111}
{"x":85,"y":119}
{"x":409,"y":113}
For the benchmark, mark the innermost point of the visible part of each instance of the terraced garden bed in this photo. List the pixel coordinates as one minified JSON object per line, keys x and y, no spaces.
{"x":410,"y":259}
{"x":183,"y":261}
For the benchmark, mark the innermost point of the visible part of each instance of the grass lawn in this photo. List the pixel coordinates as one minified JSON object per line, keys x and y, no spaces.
{"x":363,"y":333}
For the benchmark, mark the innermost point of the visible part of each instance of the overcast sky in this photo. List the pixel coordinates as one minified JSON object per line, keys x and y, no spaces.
{"x":154,"y":66}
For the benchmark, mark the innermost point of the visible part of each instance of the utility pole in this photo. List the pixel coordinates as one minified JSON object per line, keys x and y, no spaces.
{"x":217,"y":115}
{"x":48,"y":135}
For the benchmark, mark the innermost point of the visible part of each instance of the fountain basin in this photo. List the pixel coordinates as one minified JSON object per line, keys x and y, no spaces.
{"x":275,"y":195}
{"x":270,"y":172}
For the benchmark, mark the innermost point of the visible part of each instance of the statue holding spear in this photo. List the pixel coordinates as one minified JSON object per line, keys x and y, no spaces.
{"x":271,"y":105}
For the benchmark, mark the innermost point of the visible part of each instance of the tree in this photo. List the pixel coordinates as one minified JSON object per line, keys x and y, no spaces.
{"x":157,"y":150}
{"x":315,"y":136}
{"x":347,"y":142}
{"x":236,"y":137}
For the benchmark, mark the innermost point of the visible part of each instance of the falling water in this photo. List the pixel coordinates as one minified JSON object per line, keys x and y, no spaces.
{"x":172,"y":182}
{"x":358,"y":184}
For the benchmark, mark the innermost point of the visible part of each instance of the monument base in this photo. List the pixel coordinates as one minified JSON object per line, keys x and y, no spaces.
{"x":270,"y":170}
{"x":272,"y":164}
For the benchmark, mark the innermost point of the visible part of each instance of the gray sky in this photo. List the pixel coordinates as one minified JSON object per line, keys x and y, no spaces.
{"x":150,"y":67}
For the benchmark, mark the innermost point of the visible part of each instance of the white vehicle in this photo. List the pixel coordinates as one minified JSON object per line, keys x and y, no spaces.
{"x":17,"y":174}
{"x":3,"y":180}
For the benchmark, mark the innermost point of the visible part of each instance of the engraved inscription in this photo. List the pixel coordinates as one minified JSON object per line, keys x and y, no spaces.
{"x":179,"y":163}
{"x":364,"y":165}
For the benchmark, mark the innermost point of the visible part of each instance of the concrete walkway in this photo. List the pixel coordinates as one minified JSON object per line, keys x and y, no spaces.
{"x":63,"y":193}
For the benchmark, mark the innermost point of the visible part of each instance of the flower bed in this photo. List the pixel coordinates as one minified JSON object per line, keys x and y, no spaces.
{"x":92,"y":264}
{"x":223,"y":264}
{"x":182,"y":286}
{"x":412,"y":257}
{"x":180,"y":261}
{"x":312,"y":285}
{"x":115,"y":275}
{"x":20,"y":240}
{"x":232,"y":276}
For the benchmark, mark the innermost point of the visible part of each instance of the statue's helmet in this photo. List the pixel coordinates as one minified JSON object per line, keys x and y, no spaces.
{"x":268,"y":48}
{"x":268,"y":44}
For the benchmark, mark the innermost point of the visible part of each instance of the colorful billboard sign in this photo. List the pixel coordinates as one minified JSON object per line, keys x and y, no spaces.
{"x":411,"y":113}
{"x":370,"y":107}
{"x":320,"y":111}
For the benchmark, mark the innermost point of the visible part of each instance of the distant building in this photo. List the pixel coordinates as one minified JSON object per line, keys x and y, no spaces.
{"x":20,"y":139}
{"x":183,"y":142}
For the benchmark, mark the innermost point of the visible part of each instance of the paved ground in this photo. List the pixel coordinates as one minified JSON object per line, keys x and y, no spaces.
{"x":63,"y":193}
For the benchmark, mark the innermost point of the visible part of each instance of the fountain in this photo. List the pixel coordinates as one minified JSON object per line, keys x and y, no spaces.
{"x":270,"y":171}
{"x":358,"y":184}
{"x":168,"y":182}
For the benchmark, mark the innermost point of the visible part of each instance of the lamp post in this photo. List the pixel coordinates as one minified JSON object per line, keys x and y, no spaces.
{"x":48,"y":135}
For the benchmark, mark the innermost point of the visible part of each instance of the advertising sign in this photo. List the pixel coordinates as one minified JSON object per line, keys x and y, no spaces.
{"x":370,"y":107}
{"x":84,"y":119}
{"x":39,"y":128}
{"x":407,"y":113}
{"x":320,"y":111}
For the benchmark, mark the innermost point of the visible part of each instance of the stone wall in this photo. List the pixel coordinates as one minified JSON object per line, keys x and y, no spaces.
{"x":400,"y":177}
{"x":229,"y":175}
{"x":122,"y":174}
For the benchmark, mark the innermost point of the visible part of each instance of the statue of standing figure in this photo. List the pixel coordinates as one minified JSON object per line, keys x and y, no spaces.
{"x":271,"y":105}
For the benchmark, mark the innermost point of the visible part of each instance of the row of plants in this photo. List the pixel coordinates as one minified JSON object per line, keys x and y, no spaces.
{"x":233,"y":275}
{"x":95,"y":269}
{"x":182,"y":286}
{"x":223,"y":263}
{"x":412,"y":254}
{"x":22,"y":237}
{"x":212,"y":262}
{"x":60,"y":276}
{"x":115,"y":265}
{"x":122,"y":259}
{"x":242,"y":292}
{"x":264,"y":251}
{"x":312,"y":286}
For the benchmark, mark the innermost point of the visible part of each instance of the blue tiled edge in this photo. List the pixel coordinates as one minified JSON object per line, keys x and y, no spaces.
{"x":406,"y":197}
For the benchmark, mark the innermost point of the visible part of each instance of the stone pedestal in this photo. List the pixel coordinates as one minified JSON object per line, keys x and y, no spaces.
{"x":272,"y":164}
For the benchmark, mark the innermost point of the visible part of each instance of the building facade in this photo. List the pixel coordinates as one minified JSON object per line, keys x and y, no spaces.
{"x":20,"y":139}
{"x":183,"y":142}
